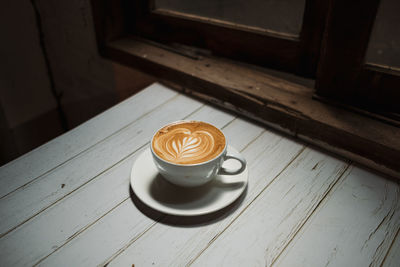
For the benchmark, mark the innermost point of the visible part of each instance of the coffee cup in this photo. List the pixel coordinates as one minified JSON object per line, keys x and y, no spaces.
{"x":192,"y":153}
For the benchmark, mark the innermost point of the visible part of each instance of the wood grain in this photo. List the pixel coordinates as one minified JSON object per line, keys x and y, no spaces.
{"x":275,"y":101}
{"x":294,"y":52}
{"x":67,"y":218}
{"x":267,"y":156}
{"x":239,"y":42}
{"x":61,"y":149}
{"x":108,"y":235}
{"x":28,"y":201}
{"x":354,"y":226}
{"x":302,"y":207}
{"x":276,"y":215}
{"x":392,"y":259}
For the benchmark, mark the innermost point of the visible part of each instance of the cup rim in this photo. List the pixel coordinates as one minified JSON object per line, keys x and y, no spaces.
{"x":193,"y":164}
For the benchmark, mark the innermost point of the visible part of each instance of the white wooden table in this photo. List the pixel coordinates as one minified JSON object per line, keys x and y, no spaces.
{"x":69,"y":203}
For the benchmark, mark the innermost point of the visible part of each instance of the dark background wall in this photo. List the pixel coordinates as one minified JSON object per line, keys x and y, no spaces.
{"x":52,"y":78}
{"x":62,"y":75}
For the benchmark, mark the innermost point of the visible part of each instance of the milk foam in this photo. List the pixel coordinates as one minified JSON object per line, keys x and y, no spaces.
{"x":188,"y":142}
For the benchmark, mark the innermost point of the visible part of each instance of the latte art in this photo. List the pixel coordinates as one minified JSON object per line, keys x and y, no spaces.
{"x":188,"y":142}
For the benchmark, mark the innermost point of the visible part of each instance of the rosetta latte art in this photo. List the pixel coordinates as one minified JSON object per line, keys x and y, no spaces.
{"x":181,"y":143}
{"x":188,"y":144}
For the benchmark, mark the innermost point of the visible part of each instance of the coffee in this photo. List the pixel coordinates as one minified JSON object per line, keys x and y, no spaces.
{"x":188,"y":142}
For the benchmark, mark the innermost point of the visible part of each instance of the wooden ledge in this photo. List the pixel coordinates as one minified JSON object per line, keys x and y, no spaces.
{"x":283,"y":104}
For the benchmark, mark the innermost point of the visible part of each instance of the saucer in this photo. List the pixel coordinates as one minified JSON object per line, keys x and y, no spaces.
{"x":156,"y":192}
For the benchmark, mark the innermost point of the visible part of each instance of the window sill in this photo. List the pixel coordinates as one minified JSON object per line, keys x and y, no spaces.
{"x":285,"y":105}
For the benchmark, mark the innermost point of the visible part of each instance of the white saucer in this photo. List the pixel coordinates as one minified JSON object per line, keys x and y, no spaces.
{"x":153,"y":190}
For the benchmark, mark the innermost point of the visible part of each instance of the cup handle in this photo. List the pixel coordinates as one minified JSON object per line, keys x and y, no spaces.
{"x":231,"y":171}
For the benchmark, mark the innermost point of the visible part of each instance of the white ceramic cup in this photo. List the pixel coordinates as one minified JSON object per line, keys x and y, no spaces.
{"x":190,"y":175}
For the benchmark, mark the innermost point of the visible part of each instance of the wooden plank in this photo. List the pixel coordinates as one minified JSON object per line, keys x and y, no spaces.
{"x":85,"y":249}
{"x":276,"y":101}
{"x":267,"y":156}
{"x":263,"y":230}
{"x":65,"y":220}
{"x":354,"y":226}
{"x":61,"y":222}
{"x":26,"y":202}
{"x":392,"y":259}
{"x":61,"y":149}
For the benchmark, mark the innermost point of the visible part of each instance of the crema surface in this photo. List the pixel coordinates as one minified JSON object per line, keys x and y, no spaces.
{"x":188,"y":142}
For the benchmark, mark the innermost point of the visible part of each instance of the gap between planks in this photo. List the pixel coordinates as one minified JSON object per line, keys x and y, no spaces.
{"x":332,"y":188}
{"x":335,"y":168}
{"x":83,"y":151}
{"x":121,"y":245}
{"x":115,"y":255}
{"x":100,"y":173}
{"x":245,"y":208}
{"x":355,"y":225}
{"x":207,"y":113}
{"x":258,"y":155}
{"x":248,"y":205}
{"x":395,"y":239}
{"x":88,"y":226}
{"x":124,"y":200}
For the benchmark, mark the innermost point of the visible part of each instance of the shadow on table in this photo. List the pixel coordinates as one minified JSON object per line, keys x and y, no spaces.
{"x":169,"y":194}
{"x":190,"y":198}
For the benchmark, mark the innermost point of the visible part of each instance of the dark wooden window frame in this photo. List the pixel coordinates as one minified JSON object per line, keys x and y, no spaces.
{"x":289,"y":52}
{"x":285,"y":105}
{"x":343,"y":74}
